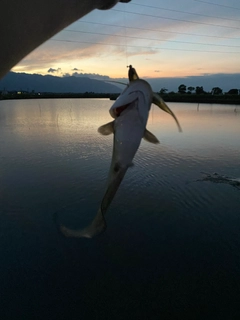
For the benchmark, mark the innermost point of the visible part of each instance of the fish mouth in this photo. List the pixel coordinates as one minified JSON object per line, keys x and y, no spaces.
{"x":117,"y":112}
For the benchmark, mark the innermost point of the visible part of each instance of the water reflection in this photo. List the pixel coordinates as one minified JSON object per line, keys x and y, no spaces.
{"x":172,"y":243}
{"x":207,"y":132}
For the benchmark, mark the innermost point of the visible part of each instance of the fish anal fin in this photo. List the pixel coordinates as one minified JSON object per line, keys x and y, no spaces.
{"x":106,"y":129}
{"x":150,"y":137}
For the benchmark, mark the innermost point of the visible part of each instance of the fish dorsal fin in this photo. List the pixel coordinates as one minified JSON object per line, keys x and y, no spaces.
{"x":106,"y":129}
{"x":148,"y":136}
{"x":158,"y":101}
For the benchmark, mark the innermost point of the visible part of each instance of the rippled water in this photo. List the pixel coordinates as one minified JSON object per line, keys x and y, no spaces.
{"x":172,"y":246}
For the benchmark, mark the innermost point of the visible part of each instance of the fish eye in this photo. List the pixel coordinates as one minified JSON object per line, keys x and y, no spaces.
{"x":116,"y":167}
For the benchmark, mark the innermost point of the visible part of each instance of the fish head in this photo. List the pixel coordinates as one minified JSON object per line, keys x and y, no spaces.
{"x":137,"y":95}
{"x":130,"y":112}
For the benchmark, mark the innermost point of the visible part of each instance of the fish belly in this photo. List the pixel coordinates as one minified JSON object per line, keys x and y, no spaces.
{"x":129,"y":130}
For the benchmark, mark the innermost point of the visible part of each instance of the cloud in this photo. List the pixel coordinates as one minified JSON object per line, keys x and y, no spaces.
{"x":91,"y":76}
{"x":76,"y":69}
{"x":52,"y":70}
{"x":180,"y":41}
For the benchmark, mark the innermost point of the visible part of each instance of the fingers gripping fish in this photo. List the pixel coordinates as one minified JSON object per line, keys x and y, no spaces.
{"x":130,"y":112}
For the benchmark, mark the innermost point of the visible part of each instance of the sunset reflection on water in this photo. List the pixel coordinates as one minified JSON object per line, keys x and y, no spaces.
{"x":172,"y":239}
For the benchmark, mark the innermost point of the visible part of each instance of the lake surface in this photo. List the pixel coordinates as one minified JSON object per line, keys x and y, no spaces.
{"x":172,"y":246}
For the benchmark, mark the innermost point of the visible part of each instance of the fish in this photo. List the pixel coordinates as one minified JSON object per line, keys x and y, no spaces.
{"x":130,"y":113}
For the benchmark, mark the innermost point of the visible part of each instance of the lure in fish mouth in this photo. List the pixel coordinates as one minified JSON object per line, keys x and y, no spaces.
{"x":130,"y":112}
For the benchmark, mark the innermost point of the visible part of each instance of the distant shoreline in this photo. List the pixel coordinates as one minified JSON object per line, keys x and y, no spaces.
{"x":200,"y":98}
{"x":50,"y":95}
{"x":171,"y":97}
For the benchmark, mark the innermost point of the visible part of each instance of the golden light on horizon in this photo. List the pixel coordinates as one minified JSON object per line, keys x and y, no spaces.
{"x":179,"y":44}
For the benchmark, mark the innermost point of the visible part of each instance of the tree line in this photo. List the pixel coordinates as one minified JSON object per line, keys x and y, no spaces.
{"x":183,"y":89}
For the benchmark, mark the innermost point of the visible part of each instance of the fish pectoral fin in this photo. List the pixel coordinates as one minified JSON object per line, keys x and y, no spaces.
{"x":106,"y":129}
{"x":158,"y":101}
{"x":150,"y":137}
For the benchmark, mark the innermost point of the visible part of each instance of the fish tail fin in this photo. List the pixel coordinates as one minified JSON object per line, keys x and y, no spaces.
{"x":97,"y":226}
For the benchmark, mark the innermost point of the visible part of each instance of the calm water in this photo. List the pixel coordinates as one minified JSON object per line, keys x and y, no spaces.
{"x":172,"y":246}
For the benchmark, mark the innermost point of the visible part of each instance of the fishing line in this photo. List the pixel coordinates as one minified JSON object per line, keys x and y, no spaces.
{"x":125,"y":35}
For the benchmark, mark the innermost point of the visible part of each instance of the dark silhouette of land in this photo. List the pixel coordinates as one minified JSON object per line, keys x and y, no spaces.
{"x":35,"y":86}
{"x":168,"y":97}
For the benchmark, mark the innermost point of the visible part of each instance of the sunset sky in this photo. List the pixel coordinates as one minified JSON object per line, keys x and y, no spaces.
{"x":159,"y":38}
